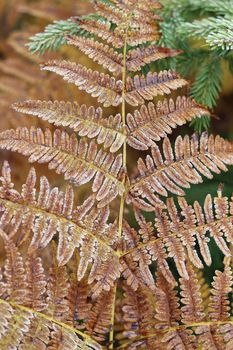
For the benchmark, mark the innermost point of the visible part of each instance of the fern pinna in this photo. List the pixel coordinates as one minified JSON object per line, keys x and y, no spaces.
{"x":76,"y":277}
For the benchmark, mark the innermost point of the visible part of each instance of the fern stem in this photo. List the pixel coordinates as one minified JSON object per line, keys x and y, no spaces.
{"x":123,"y":114}
{"x":122,"y":202}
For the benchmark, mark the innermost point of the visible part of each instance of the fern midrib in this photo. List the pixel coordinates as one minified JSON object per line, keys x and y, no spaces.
{"x":178,"y":233}
{"x":86,"y":337}
{"x":35,"y":210}
{"x":164,"y":167}
{"x":123,"y":197}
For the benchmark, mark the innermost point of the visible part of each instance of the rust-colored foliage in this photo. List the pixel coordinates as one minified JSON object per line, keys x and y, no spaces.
{"x":79,"y":276}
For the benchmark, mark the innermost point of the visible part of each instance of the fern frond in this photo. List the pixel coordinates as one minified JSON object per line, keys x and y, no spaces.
{"x":153,"y":122}
{"x":192,"y":159}
{"x":138,"y":315}
{"x":141,"y":88}
{"x":99,"y":52}
{"x":87,"y":121}
{"x":168,"y":316}
{"x":113,"y":61}
{"x":28,"y":320}
{"x":119,"y":14}
{"x":78,"y":161}
{"x":51,"y":213}
{"x":178,"y":233}
{"x":15,"y":283}
{"x":100,"y":85}
{"x":102,"y":30}
{"x":136,"y":271}
{"x":179,"y":322}
{"x":138,"y":58}
{"x":99,"y":323}
{"x":36,"y":283}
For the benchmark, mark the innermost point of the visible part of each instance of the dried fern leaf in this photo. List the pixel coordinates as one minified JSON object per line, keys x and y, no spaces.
{"x":78,"y":161}
{"x":112,"y":13}
{"x":138,"y":316}
{"x":141,"y":36}
{"x":141,"y":12}
{"x":153,"y":122}
{"x":138,"y":58}
{"x":168,"y":316}
{"x":52,"y":212}
{"x":100,"y":85}
{"x":122,"y":14}
{"x":135,"y":267}
{"x":102,"y":30}
{"x":99,"y":52}
{"x":99,"y":323}
{"x":36,"y":283}
{"x":219,"y":307}
{"x":57,"y":294}
{"x":179,"y":322}
{"x":141,"y":88}
{"x":191,"y":160}
{"x":15,"y":282}
{"x":20,"y":326}
{"x":86,"y":121}
{"x":215,"y":335}
{"x":192,"y":308}
{"x":179,"y":231}
{"x":30,"y":317}
{"x":113,"y":61}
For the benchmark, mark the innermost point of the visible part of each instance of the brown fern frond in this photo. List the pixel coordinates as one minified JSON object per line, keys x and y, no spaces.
{"x":86,"y":121}
{"x":192,"y":309}
{"x":99,"y":52}
{"x":191,"y":159}
{"x":112,"y":13}
{"x":179,"y":321}
{"x":57,"y":294}
{"x":99,"y":323}
{"x":52,"y":212}
{"x":39,"y":321}
{"x":153,"y":122}
{"x":138,"y":316}
{"x":133,"y":14}
{"x":179,"y":232}
{"x":14,"y":273}
{"x":102,"y":30}
{"x":168,"y":316}
{"x":113,"y":61}
{"x":78,"y":161}
{"x":143,"y":88}
{"x":135,"y":267}
{"x":36,"y":283}
{"x":141,"y":35}
{"x":100,"y":85}
{"x":138,"y":58}
{"x":214,"y":336}
{"x":219,"y":306}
